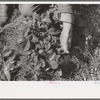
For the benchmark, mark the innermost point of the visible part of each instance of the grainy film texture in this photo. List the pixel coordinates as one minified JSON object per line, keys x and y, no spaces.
{"x":55,"y":42}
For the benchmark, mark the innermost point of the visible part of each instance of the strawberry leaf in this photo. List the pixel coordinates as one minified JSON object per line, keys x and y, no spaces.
{"x":55,"y":32}
{"x":20,"y":39}
{"x":46,"y":19}
{"x":38,"y":65}
{"x":29,"y":23}
{"x":48,"y":38}
{"x":47,"y":46}
{"x":3,"y":76}
{"x":7,"y":53}
{"x":58,"y":73}
{"x":52,"y":56}
{"x":43,"y":62}
{"x":27,"y":47}
{"x":7,"y":74}
{"x":27,"y":31}
{"x":34,"y":39}
{"x":53,"y":64}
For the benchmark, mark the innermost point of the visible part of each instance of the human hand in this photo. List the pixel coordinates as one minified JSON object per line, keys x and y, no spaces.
{"x":65,"y":38}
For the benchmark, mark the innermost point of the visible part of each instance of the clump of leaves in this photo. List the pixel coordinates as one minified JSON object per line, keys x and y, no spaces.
{"x":9,"y":63}
{"x":39,"y":55}
{"x":40,"y":47}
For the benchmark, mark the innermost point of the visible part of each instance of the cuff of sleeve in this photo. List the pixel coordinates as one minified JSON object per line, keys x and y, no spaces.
{"x":67,"y":18}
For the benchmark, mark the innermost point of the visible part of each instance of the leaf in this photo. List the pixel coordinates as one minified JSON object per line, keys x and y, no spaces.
{"x":34,"y":39}
{"x":52,"y":56}
{"x":47,"y":69}
{"x":8,"y":66}
{"x":54,"y":39}
{"x":29,"y":23}
{"x":58,"y":73}
{"x":20,"y":39}
{"x":52,"y":29}
{"x":7,"y":53}
{"x":37,"y":17}
{"x":27,"y":47}
{"x":48,"y":38}
{"x":55,"y":32}
{"x":3,"y":76}
{"x":57,"y":57}
{"x":41,"y":51}
{"x":47,"y":46}
{"x":5,"y":48}
{"x":42,"y":44}
{"x":44,"y":26}
{"x":10,"y":58}
{"x":22,"y":27}
{"x":35,"y":58}
{"x":50,"y":51}
{"x":53,"y":64}
{"x":38,"y":46}
{"x":7,"y":74}
{"x":27,"y":31}
{"x":38,"y":65}
{"x":46,"y":19}
{"x":43,"y":62}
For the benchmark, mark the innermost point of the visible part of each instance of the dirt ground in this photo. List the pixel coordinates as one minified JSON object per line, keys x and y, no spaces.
{"x":31,"y":52}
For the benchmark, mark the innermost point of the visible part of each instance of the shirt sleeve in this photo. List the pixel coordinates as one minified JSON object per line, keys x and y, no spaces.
{"x":64,"y":8}
{"x":64,"y":13}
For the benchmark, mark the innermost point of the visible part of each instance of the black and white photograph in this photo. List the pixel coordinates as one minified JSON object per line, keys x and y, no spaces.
{"x":49,"y":42}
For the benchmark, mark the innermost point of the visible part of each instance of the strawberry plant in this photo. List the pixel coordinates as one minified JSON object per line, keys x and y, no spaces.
{"x":30,"y":49}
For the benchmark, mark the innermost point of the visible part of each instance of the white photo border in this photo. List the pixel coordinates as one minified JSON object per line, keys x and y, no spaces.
{"x":47,"y":89}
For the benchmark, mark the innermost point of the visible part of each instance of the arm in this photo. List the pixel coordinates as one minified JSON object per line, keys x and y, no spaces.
{"x":66,"y":34}
{"x":67,"y":19}
{"x":3,"y":14}
{"x":31,"y":10}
